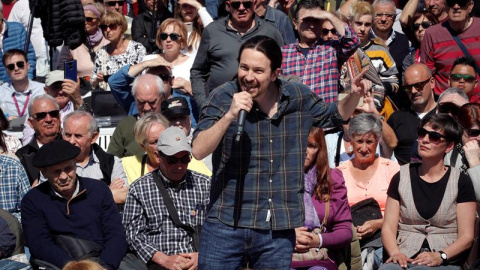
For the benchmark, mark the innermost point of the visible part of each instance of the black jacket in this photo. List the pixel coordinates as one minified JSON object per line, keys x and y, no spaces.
{"x":142,"y":28}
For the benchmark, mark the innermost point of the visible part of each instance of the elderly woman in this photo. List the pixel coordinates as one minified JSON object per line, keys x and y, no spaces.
{"x":430,"y":212}
{"x":367,"y":175}
{"x":118,"y":53}
{"x":326,"y":206}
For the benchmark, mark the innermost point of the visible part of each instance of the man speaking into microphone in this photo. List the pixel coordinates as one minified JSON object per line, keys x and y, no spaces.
{"x":256,"y":197}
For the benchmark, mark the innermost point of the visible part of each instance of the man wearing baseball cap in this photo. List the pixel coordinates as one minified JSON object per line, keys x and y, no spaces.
{"x":71,"y":206}
{"x":146,"y":219}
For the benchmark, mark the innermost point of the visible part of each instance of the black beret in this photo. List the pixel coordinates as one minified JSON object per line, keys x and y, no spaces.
{"x":55,"y":152}
{"x":176,"y":106}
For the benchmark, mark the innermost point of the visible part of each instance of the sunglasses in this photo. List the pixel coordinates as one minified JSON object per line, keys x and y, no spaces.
{"x":325,"y":31}
{"x":472,"y":132}
{"x":418,"y":86}
{"x":433,"y":136}
{"x":112,"y":26}
{"x":42,"y":115}
{"x":467,"y":78}
{"x":173,"y":36}
{"x":246,"y":4}
{"x":388,"y":15}
{"x":424,"y":25}
{"x":461,"y":3}
{"x":113,"y":3}
{"x":20,"y":65}
{"x":171,"y":160}
{"x":164,"y":77}
{"x":448,"y":107}
{"x":90,"y":19}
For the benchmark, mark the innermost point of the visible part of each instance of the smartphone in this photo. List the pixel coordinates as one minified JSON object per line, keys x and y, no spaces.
{"x":344,"y":95}
{"x":189,"y":26}
{"x":70,"y":70}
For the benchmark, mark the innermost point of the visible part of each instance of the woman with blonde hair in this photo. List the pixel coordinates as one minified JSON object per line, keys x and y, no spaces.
{"x":83,"y":265}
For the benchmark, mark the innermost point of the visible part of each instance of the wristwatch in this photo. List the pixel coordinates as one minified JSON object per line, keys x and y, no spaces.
{"x":444,"y":257}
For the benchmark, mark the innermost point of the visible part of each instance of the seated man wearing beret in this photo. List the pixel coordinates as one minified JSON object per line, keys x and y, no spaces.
{"x":70,"y":206}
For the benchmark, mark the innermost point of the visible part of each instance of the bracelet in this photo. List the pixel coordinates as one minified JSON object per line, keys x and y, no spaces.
{"x":320,"y":241}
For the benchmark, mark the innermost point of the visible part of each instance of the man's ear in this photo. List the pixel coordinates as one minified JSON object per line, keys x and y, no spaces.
{"x":295,"y":24}
{"x":275,"y":75}
{"x":30,"y":122}
{"x":227,"y":6}
{"x":94,"y":137}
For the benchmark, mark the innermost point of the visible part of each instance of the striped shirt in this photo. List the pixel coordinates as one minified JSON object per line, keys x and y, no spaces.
{"x":258,"y":182}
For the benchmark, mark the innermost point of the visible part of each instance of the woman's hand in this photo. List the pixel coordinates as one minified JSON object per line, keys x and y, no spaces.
{"x":100,"y":77}
{"x":369,"y":104}
{"x":472,"y":153}
{"x":429,"y":259}
{"x":304,"y":240}
{"x":369,"y":228}
{"x":400,"y":259}
{"x":183,"y":85}
{"x":192,"y":3}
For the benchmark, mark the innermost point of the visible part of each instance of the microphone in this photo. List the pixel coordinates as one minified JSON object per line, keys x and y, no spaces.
{"x":240,"y":123}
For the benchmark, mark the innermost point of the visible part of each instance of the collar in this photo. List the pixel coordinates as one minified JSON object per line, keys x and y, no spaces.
{"x":255,"y":18}
{"x":75,"y":193}
{"x":269,"y":14}
{"x":92,"y":160}
{"x":388,"y":41}
{"x":12,"y":90}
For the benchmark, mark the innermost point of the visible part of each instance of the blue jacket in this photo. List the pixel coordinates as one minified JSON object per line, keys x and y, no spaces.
{"x":91,"y":215}
{"x":120,"y":85}
{"x":15,"y":37}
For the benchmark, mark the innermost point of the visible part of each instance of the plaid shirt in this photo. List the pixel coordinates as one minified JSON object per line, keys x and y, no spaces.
{"x":258,"y":182}
{"x":14,"y":185}
{"x":147,"y":223}
{"x":319,"y":69}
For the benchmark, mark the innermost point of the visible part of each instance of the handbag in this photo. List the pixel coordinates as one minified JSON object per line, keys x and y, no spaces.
{"x":195,"y":231}
{"x":365,"y":210}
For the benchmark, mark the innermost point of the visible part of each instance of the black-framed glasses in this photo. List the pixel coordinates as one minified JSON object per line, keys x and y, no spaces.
{"x":424,"y":25}
{"x":389,"y":16}
{"x":173,"y":36}
{"x":171,"y":160}
{"x":90,"y":19}
{"x":433,"y":136}
{"x":472,"y":132}
{"x":467,"y":78}
{"x":325,"y":31}
{"x":418,"y":86}
{"x":20,"y":65}
{"x":246,"y":4}
{"x":113,"y":3}
{"x":461,"y":3}
{"x":164,"y":77}
{"x":42,"y":115}
{"x":448,"y":107}
{"x":112,"y":26}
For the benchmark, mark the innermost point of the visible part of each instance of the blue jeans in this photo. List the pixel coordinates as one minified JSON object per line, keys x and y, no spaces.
{"x":225,"y":247}
{"x":394,"y":266}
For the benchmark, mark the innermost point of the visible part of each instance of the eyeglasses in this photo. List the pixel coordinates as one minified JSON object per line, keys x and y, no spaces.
{"x":173,"y":36}
{"x":448,"y":107}
{"x":171,"y":160}
{"x":20,"y":65}
{"x":418,"y":86}
{"x":433,"y":136}
{"x":112,"y":26}
{"x":246,"y":4}
{"x":424,"y":25}
{"x":42,"y":115}
{"x":389,"y":16}
{"x":472,"y":132}
{"x":113,"y":3}
{"x":467,"y":78}
{"x":90,"y":19}
{"x":461,"y":3}
{"x":325,"y":31}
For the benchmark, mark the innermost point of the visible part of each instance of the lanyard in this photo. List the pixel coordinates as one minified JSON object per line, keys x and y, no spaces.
{"x":20,"y":114}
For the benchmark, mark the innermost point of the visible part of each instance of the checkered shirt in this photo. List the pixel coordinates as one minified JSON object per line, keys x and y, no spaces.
{"x":319,"y":70}
{"x":14,"y":185}
{"x":147,"y":223}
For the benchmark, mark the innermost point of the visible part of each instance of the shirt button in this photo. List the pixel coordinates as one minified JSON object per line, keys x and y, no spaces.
{"x":271,"y":141}
{"x":271,"y":161}
{"x":270,"y":200}
{"x":270,"y":180}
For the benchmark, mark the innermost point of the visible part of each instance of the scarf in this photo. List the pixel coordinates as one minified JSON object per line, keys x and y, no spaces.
{"x":95,"y":38}
{"x":311,"y":217}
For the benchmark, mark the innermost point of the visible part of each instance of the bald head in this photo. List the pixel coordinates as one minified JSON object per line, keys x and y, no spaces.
{"x":418,"y":68}
{"x":418,"y":86}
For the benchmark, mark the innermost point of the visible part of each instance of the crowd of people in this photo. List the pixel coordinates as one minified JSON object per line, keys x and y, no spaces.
{"x":289,"y":134}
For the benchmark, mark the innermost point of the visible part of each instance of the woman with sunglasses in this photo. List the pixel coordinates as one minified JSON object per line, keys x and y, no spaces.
{"x":85,"y":54}
{"x":193,"y":14}
{"x":118,"y":53}
{"x":415,"y":29}
{"x":430,"y":212}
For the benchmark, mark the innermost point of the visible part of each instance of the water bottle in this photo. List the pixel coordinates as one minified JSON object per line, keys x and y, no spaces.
{"x":3,"y":105}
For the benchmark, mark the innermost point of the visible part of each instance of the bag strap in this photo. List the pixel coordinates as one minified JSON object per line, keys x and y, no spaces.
{"x":337,"y":153}
{"x":462,"y":47}
{"x":172,"y":211}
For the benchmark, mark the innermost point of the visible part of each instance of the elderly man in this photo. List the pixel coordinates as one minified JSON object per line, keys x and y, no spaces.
{"x":313,"y":60}
{"x":148,"y":222}
{"x":397,"y":43}
{"x":217,"y":58}
{"x":66,"y":93}
{"x":16,"y":93}
{"x":464,"y":76}
{"x":73,"y":207}
{"x":442,"y":43}
{"x":418,"y":85}
{"x":44,"y":120}
{"x":80,"y":129}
